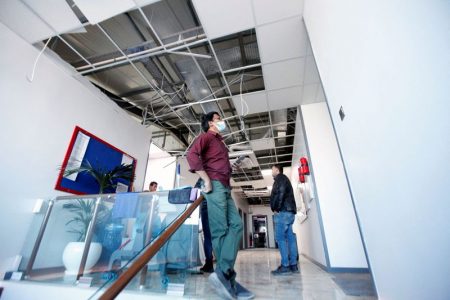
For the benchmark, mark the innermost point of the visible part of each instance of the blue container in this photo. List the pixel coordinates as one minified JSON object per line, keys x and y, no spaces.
{"x":112,"y":238}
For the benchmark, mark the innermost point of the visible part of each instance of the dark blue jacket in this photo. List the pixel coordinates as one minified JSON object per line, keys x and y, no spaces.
{"x":282,"y":196}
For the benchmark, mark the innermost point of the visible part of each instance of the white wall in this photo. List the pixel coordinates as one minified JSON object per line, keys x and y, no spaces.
{"x":309,"y":234}
{"x":387,"y":63}
{"x":161,"y":168}
{"x":37,"y":121}
{"x":342,"y":237}
{"x":187,"y":178}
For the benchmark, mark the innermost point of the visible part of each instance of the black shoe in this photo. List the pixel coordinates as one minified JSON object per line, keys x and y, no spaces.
{"x":207,"y":268}
{"x":242,"y":293}
{"x":222,"y":285}
{"x":294,"y":269}
{"x":282,"y":270}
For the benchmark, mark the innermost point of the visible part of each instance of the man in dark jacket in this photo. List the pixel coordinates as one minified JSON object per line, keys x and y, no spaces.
{"x":282,"y":203}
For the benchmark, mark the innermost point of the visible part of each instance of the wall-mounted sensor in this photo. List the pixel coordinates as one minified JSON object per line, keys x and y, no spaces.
{"x":341,"y":113}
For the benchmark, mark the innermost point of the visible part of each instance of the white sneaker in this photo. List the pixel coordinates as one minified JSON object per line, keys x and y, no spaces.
{"x":221,"y":285}
{"x":242,"y":293}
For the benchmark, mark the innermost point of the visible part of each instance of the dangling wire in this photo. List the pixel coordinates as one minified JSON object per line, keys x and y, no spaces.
{"x":242,"y":99}
{"x":31,"y":78}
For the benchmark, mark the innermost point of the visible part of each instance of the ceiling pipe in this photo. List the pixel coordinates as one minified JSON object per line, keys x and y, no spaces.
{"x":189,"y":54}
{"x":240,"y":147}
{"x":135,"y":56}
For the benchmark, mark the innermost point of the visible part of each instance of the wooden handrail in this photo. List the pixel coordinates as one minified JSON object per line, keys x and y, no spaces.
{"x":147,"y":255}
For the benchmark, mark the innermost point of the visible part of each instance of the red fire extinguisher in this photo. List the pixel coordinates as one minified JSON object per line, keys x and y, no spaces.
{"x":301,"y":178}
{"x":304,"y":166}
{"x":303,"y":169}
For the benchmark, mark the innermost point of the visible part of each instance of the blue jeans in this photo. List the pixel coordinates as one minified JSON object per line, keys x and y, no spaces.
{"x":285,"y":238}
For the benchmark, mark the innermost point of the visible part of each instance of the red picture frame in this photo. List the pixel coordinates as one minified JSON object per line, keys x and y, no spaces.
{"x":96,"y":149}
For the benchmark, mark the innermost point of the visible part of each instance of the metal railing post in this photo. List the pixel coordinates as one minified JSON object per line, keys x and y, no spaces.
{"x":89,"y":235}
{"x":37,"y":244}
{"x":148,"y":238}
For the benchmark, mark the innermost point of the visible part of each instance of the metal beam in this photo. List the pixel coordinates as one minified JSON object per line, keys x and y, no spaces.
{"x":235,"y":70}
{"x":142,"y":75}
{"x":261,"y":127}
{"x":135,"y":56}
{"x":278,"y":162}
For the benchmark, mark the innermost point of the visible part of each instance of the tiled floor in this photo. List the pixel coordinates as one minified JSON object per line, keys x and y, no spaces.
{"x":253,"y":271}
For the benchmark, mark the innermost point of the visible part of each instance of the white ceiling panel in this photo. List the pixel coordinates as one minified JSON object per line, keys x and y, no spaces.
{"x":262,"y":144}
{"x":19,"y":18}
{"x":256,"y":102}
{"x":309,"y":93}
{"x":100,"y":10}
{"x":274,"y":10}
{"x":284,"y":74}
{"x":311,"y":72}
{"x":145,"y":2}
{"x":282,"y":40}
{"x":220,"y":18}
{"x":284,"y":98}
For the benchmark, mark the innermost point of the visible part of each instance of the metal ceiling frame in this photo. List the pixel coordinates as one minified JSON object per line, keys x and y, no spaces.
{"x":261,"y":127}
{"x":141,"y":55}
{"x":226,"y":83}
{"x":278,"y":162}
{"x":142,"y":76}
{"x":171,"y":48}
{"x":209,"y":86}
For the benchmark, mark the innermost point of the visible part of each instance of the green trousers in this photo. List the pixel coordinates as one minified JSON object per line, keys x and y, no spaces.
{"x":225,"y":225}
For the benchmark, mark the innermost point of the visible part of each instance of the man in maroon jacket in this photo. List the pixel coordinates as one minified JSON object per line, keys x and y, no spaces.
{"x":208,"y":157}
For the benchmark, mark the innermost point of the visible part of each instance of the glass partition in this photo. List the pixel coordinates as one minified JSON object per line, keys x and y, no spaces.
{"x":169,"y":271}
{"x":92,"y":239}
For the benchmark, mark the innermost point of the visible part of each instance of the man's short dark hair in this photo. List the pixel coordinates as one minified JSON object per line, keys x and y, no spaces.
{"x":208,"y":118}
{"x":279,"y":167}
{"x":153,"y":183}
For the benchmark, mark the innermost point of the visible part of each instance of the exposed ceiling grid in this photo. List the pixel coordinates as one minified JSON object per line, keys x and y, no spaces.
{"x":166,"y":62}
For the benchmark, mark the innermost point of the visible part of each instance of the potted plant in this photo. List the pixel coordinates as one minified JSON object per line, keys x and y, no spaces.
{"x":82,"y":211}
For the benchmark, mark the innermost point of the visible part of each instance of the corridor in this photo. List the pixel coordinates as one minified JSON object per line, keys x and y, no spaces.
{"x":253,"y":271}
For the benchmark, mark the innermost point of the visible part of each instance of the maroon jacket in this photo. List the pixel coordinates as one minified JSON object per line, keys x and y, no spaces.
{"x":209,"y":153}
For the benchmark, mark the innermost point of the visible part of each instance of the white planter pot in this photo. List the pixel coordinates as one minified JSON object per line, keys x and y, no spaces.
{"x":72,"y":256}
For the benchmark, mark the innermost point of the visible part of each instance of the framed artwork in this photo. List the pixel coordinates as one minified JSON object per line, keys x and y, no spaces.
{"x":84,"y":147}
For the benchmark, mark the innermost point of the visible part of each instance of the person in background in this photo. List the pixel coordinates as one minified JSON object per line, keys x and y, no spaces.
{"x":153,"y":186}
{"x":208,"y":157}
{"x":282,"y":203}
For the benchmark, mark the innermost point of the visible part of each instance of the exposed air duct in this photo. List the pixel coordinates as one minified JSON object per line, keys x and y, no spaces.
{"x":240,"y":147}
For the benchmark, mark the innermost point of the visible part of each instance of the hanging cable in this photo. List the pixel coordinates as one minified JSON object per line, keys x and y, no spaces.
{"x":31,"y":78}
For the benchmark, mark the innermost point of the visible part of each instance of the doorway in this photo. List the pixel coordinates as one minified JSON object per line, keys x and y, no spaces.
{"x":260,"y":236}
{"x":246,"y":240}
